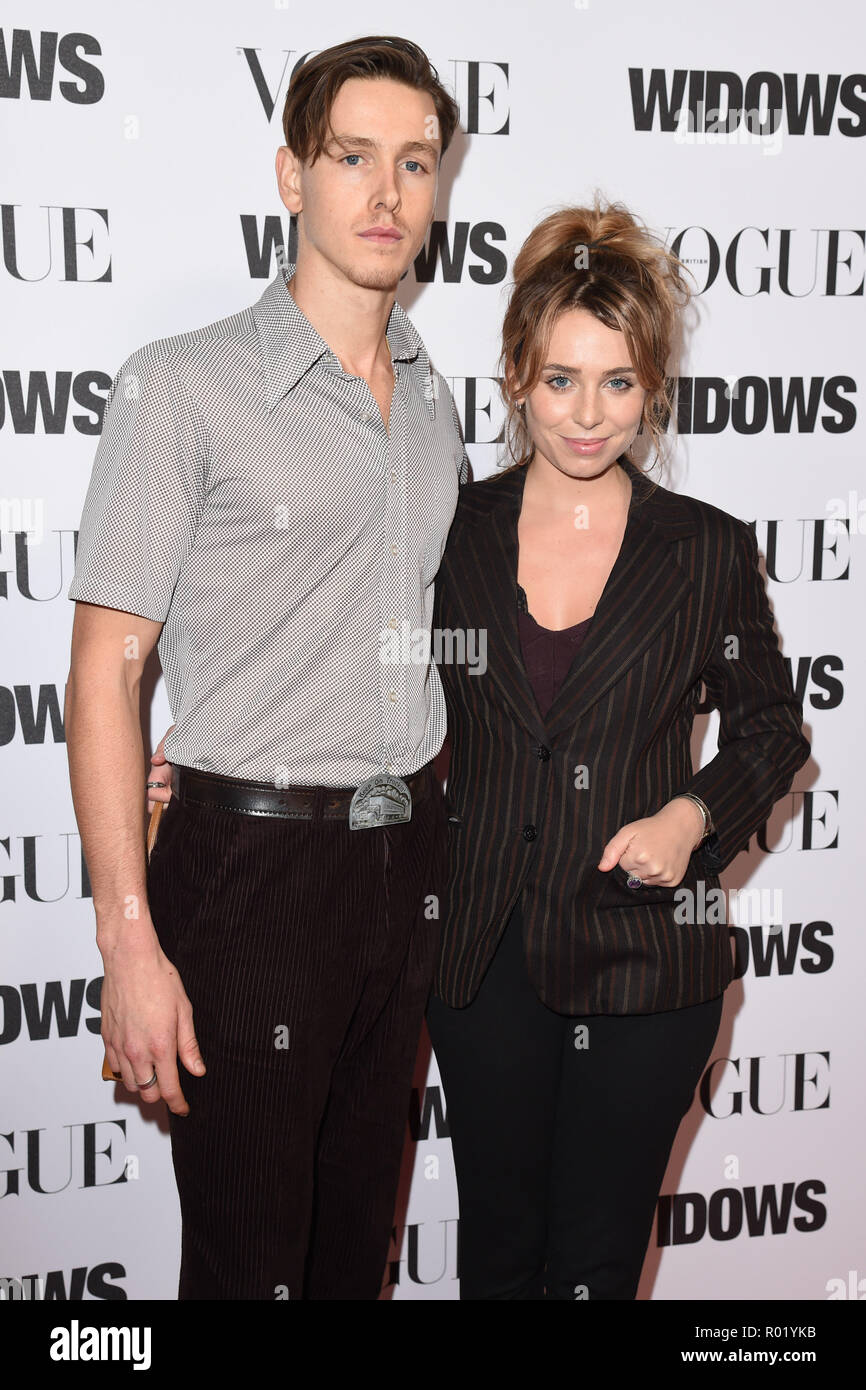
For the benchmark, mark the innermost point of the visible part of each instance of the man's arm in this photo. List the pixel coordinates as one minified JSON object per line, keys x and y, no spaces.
{"x":146,"y":1015}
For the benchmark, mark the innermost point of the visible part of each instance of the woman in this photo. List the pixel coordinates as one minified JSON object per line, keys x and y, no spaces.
{"x":578,"y":992}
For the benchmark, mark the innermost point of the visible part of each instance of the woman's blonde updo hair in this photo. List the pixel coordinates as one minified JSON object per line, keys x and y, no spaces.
{"x":624,"y":276}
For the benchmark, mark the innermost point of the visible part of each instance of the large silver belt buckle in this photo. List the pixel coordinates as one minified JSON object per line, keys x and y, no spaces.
{"x":380,"y":800}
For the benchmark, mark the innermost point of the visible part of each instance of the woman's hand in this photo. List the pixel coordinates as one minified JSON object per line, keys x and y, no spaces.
{"x":160,"y":771}
{"x":657,"y":848}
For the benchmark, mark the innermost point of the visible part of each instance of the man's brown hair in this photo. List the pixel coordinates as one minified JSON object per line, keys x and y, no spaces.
{"x":315,"y":84}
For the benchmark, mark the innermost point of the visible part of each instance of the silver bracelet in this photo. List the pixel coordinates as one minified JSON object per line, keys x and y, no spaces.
{"x":708,"y":824}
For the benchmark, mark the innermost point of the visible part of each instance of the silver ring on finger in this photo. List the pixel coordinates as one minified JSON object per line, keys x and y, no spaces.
{"x":634,"y":882}
{"x":143,"y":1085}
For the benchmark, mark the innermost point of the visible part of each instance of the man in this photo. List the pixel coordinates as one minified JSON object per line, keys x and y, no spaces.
{"x":270,"y":499}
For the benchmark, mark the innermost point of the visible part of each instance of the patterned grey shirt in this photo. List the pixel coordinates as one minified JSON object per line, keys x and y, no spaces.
{"x":246,"y":494}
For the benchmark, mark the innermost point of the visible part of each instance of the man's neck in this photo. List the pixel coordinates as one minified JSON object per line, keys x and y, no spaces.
{"x":351,"y":319}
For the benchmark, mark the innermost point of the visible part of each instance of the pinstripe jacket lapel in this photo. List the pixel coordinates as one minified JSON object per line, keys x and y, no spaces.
{"x":489,"y":580}
{"x":643,"y":591}
{"x":645,"y":587}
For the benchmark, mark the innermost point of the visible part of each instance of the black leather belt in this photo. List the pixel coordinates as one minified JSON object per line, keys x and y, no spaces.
{"x":197,"y":788}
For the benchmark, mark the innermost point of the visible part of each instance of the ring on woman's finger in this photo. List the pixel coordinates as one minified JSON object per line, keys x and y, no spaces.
{"x":143,"y":1085}
{"x":634,"y":882}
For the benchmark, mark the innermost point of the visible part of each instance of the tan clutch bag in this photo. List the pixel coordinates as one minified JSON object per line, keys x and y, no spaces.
{"x":152,"y":828}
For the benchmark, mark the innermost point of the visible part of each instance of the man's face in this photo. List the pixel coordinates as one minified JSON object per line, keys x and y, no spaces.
{"x":380,"y":169}
{"x":588,"y":390}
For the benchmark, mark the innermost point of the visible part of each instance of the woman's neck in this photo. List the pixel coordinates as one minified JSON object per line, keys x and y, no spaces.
{"x":548,"y":489}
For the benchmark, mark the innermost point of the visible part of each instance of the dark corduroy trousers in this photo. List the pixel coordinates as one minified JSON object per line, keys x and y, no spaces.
{"x":307,"y":950}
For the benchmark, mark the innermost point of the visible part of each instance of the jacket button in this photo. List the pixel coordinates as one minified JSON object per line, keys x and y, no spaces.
{"x":542,"y":753}
{"x":529,"y":832}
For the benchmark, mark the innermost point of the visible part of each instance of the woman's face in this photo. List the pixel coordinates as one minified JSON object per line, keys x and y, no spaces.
{"x":588,"y":391}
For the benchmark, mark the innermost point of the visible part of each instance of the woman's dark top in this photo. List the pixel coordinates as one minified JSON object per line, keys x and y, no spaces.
{"x":547,"y":654}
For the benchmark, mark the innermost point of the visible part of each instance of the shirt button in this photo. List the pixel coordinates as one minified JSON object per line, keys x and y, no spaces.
{"x":392,"y":622}
{"x":393,"y":476}
{"x":394,"y":550}
{"x":529,"y":832}
{"x":392,"y":696}
{"x":542,"y":753}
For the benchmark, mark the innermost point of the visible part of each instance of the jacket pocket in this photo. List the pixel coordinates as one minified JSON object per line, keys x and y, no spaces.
{"x":616,"y":893}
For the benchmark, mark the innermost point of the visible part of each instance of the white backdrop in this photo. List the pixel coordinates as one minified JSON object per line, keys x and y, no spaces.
{"x":139,"y":200}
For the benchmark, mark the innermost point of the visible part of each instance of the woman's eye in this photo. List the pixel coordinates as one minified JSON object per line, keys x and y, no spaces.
{"x":624,"y":383}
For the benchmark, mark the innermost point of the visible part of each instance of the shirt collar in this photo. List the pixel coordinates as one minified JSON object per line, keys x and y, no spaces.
{"x":290,"y":344}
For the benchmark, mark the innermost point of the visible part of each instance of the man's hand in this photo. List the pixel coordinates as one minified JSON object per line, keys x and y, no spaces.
{"x":657,"y":848}
{"x":147,"y":1021}
{"x":160,"y":771}
{"x":146,"y":1015}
